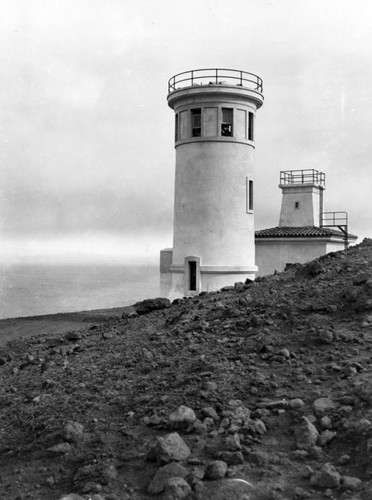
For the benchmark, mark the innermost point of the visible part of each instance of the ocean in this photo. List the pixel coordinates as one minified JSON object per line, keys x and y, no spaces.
{"x":37,"y":289}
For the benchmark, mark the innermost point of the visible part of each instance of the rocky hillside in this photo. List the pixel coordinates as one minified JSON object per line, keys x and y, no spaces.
{"x":261,"y":391}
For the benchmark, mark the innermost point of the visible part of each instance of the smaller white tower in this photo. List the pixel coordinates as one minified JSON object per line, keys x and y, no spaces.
{"x":305,"y":231}
{"x":302,"y":201}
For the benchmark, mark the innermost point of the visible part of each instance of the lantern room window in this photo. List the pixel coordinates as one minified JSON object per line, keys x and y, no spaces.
{"x":227,"y":122}
{"x":196,"y":122}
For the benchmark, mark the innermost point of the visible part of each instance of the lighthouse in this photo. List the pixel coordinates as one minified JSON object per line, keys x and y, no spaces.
{"x":213,"y":233}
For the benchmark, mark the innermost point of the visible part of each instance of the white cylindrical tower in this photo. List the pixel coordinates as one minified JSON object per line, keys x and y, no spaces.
{"x":213,"y":241}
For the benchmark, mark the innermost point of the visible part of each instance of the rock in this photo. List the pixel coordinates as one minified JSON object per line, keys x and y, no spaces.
{"x":129,"y":312}
{"x":232,"y":443}
{"x":344,"y":459}
{"x":73,"y":336}
{"x":325,"y":336}
{"x":296,"y":403}
{"x":257,"y":426}
{"x":284,"y":352}
{"x":322,"y":406}
{"x":149,"y":305}
{"x":60,"y":449}
{"x":364,"y":391}
{"x":91,"y":487}
{"x":224,"y":489}
{"x":50,"y":481}
{"x":182,"y":417}
{"x":171,"y":448}
{"x":73,"y":431}
{"x":273,"y":405}
{"x":325,"y":422}
{"x":258,"y":457}
{"x":209,"y":411}
{"x":351,"y":483}
{"x":306,"y":434}
{"x":237,"y":412}
{"x":301,"y":494}
{"x":312,"y":269}
{"x":209,"y":385}
{"x":231,"y":457}
{"x":315,"y":452}
{"x":245,"y":300}
{"x":326,"y":477}
{"x":159,"y":481}
{"x":176,"y":489}
{"x":72,"y":496}
{"x":110,"y":473}
{"x":325,"y":437}
{"x":107,"y":335}
{"x":361,"y":278}
{"x":216,"y":470}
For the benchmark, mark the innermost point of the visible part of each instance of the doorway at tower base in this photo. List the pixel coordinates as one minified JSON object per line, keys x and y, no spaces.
{"x":192,"y":277}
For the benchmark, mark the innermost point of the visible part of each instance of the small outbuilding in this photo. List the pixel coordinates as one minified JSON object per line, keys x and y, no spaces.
{"x":305,"y":231}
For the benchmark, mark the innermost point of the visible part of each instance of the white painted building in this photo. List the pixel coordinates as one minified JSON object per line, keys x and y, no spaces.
{"x":213,"y":238}
{"x":305,"y":231}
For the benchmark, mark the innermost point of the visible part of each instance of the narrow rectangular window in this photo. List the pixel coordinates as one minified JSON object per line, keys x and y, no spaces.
{"x":196,"y":122}
{"x":250,"y":126}
{"x":176,"y":128}
{"x":227,"y":122}
{"x":192,"y":275}
{"x":249,"y":195}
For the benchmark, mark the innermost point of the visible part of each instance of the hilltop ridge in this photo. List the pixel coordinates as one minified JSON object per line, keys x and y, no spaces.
{"x":261,"y":391}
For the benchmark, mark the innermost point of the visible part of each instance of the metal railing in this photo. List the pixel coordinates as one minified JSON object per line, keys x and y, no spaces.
{"x":336,"y":219}
{"x":307,"y":176}
{"x":215,"y":76}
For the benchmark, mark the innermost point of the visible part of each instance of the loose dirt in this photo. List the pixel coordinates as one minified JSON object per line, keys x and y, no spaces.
{"x":266,"y":384}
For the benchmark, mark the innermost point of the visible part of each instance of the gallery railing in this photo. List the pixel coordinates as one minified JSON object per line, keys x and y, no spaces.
{"x":215,"y":76}
{"x":307,"y":176}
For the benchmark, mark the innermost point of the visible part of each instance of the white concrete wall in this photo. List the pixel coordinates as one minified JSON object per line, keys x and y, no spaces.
{"x":275,"y":253}
{"x":210,"y":213}
{"x":307,"y":213}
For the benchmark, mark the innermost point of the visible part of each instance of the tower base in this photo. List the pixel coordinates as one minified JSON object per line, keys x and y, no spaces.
{"x":192,"y":278}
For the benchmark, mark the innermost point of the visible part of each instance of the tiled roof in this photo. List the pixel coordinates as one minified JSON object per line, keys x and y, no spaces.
{"x":300,"y":232}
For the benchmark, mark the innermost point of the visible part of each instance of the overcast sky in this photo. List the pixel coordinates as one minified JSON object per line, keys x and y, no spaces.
{"x":87,"y":152}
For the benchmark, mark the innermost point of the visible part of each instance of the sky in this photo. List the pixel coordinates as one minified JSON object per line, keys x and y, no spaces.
{"x":87,"y":139}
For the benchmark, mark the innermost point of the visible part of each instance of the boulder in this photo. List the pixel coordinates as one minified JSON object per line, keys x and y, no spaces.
{"x":129,"y":312}
{"x":231,"y":457}
{"x":159,"y":481}
{"x":326,"y":477}
{"x":176,"y":489}
{"x":216,"y":470}
{"x":149,"y":305}
{"x":73,"y":431}
{"x":322,"y":406}
{"x":60,"y":449}
{"x":306,"y":434}
{"x":351,"y":483}
{"x":182,"y":417}
{"x":171,"y":448}
{"x":224,"y":489}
